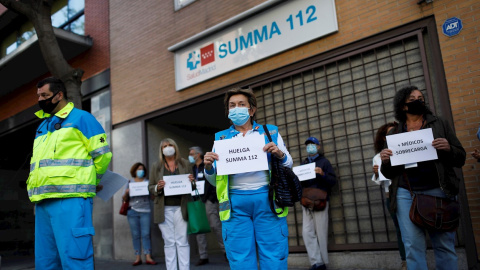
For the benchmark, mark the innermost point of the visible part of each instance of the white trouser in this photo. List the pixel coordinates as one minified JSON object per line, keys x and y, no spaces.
{"x":315,"y":235}
{"x":216,"y":225}
{"x":174,"y":233}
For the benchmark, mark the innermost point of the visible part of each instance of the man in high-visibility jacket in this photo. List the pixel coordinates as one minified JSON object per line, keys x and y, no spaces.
{"x":70,"y":155}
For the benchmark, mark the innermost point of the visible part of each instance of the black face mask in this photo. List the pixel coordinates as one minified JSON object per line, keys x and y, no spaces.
{"x":47,"y":105}
{"x":416,"y":107}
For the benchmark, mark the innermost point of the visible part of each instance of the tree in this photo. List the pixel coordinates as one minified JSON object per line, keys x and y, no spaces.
{"x":39,"y":13}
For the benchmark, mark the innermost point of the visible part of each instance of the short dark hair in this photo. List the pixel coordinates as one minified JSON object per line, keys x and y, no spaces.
{"x":252,"y":100}
{"x":56,"y":85}
{"x":381,"y":134}
{"x":399,"y":102}
{"x":133,"y":170}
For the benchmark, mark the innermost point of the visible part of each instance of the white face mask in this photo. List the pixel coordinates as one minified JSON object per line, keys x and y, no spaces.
{"x":169,"y":151}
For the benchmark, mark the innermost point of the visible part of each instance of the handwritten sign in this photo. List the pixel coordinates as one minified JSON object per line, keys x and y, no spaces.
{"x":305,"y":172}
{"x":177,"y":185}
{"x":200,"y":188}
{"x":138,"y":188}
{"x":241,"y":155}
{"x":411,"y":147}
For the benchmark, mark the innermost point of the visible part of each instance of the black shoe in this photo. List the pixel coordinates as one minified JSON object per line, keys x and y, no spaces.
{"x":202,"y":262}
{"x":318,"y":267}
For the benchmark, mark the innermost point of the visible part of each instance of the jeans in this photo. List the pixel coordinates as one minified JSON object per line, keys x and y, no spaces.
{"x":414,"y":237}
{"x":254,"y":230}
{"x":140,"y":228}
{"x":401,"y":247}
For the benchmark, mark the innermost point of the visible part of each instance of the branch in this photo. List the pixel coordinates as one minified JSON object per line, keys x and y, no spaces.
{"x":17,"y":6}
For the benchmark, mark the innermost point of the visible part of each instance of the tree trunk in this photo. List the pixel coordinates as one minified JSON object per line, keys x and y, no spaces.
{"x":39,"y":13}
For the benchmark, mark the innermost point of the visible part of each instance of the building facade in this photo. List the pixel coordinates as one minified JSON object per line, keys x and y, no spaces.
{"x":325,"y":68}
{"x":338,"y":86}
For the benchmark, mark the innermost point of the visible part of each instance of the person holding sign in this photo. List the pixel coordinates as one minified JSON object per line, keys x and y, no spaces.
{"x":315,"y":223}
{"x":211,"y":205}
{"x":379,"y":179}
{"x":139,"y":216}
{"x":248,"y":224}
{"x":170,"y":212}
{"x":432,"y":177}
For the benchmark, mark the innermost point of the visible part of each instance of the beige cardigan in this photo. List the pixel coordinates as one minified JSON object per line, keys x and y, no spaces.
{"x":156,"y":174}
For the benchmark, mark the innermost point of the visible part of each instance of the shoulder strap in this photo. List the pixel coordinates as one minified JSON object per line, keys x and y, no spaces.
{"x":268,"y":133}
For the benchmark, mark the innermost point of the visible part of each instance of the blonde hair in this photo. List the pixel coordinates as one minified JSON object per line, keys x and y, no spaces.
{"x":178,"y":159}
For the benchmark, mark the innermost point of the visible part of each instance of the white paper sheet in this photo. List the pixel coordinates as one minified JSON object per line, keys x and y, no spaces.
{"x":138,"y":188}
{"x":177,"y":185}
{"x":241,"y":154}
{"x":111,"y":183}
{"x":411,"y":147}
{"x":200,"y":188}
{"x":305,"y":172}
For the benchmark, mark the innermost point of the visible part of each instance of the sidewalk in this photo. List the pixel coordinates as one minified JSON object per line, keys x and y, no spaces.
{"x":217,"y":262}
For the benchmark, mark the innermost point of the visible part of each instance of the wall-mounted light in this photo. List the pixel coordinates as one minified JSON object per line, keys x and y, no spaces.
{"x":424,"y":1}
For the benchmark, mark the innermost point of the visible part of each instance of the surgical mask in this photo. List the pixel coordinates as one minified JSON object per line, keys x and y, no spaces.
{"x":191,"y":159}
{"x":169,"y":151}
{"x":239,"y":115}
{"x":311,"y":149}
{"x":140,"y":173}
{"x":416,"y":107}
{"x":47,"y":105}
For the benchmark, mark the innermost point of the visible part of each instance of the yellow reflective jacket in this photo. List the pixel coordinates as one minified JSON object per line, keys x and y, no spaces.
{"x":70,"y":155}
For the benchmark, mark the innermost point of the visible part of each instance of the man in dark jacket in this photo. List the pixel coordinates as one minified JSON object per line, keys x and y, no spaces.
{"x":211,"y":205}
{"x":315,"y":223}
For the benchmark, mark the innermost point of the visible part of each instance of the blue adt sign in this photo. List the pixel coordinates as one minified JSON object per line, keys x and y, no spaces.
{"x":452,"y":26}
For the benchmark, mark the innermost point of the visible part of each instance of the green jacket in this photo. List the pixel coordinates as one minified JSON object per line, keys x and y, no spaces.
{"x":70,"y":155}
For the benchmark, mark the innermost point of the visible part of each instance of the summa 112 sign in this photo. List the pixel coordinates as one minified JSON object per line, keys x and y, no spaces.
{"x":272,"y":31}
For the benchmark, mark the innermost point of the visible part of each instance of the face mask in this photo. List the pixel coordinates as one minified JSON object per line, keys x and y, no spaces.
{"x":140,"y":173}
{"x":239,"y":116}
{"x":416,"y":107}
{"x":169,"y":151}
{"x":47,"y":105}
{"x":191,"y":159}
{"x":311,"y":149}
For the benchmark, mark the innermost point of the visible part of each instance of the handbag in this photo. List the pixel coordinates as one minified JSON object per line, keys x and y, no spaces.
{"x":314,"y":199}
{"x":197,"y":216}
{"x":124,"y":208}
{"x":283,"y":182}
{"x":434,"y":213}
{"x":125,"y":204}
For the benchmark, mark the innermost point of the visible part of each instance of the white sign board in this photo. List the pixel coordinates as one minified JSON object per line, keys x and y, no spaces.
{"x":138,"y":188}
{"x":411,"y":147}
{"x":272,"y":31}
{"x":305,"y":172}
{"x":200,"y":188}
{"x":177,"y":185}
{"x":111,"y":183}
{"x":241,"y":154}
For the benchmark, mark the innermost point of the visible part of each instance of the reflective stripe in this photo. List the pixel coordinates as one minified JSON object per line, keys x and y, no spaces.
{"x":32,"y":166}
{"x":61,"y":189}
{"x":223,"y":206}
{"x":100,"y":151}
{"x":65,"y":162}
{"x":99,"y":176}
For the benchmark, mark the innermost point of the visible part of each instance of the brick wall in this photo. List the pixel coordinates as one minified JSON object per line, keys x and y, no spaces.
{"x":93,"y":61}
{"x":143,"y":69}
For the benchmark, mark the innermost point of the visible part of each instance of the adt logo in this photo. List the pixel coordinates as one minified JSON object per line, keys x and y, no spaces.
{"x":207,"y":56}
{"x":452,"y":26}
